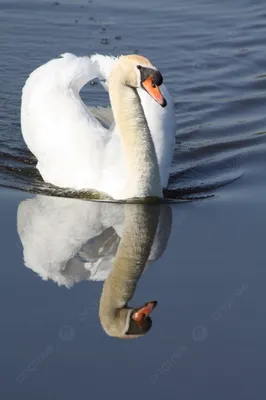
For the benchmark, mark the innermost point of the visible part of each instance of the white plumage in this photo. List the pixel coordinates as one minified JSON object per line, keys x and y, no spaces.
{"x":74,"y":150}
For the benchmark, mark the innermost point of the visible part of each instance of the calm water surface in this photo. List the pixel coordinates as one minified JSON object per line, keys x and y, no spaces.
{"x":206,"y":263}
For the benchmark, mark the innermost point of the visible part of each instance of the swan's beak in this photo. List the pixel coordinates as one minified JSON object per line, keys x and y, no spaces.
{"x":154,"y":91}
{"x":143,"y":312}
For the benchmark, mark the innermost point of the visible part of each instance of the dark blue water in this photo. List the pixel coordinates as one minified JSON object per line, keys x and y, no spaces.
{"x":207,"y":261}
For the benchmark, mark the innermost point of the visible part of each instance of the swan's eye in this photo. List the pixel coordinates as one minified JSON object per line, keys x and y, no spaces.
{"x":139,"y":66}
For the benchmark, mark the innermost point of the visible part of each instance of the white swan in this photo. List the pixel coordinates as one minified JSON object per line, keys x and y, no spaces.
{"x":74,"y":150}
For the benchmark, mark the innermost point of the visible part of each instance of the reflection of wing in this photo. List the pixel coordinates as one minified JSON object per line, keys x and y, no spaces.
{"x":53,"y":231}
{"x":69,"y":240}
{"x":98,"y":253}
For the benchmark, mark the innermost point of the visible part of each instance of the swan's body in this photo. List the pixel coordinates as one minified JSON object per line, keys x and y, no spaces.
{"x":74,"y":150}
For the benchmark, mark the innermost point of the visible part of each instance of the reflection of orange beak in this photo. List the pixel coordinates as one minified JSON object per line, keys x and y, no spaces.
{"x":154,"y":91}
{"x":140,"y":314}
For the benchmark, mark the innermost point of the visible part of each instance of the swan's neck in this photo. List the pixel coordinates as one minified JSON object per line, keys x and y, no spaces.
{"x":142,"y":170}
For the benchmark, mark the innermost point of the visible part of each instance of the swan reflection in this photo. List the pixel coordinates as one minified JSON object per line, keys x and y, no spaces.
{"x":70,"y":240}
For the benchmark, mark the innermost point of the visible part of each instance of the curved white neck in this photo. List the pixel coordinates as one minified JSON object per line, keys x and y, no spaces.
{"x":143,"y":175}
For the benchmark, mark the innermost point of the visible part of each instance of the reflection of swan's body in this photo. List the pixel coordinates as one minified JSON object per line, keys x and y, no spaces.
{"x":74,"y":150}
{"x":69,"y":240}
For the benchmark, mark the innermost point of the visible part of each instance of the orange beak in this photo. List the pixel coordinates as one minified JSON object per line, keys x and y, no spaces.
{"x":140,"y":314}
{"x":154,"y":91}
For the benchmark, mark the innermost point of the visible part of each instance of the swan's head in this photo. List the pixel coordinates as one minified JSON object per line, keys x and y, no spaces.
{"x":138,"y":72}
{"x":129,"y":323}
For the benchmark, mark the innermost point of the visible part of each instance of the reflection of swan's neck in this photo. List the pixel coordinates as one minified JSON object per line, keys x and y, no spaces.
{"x":133,"y":252}
{"x":143,"y":176}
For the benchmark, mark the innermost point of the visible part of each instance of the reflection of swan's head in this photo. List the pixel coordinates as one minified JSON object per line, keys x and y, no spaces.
{"x":129,"y":323}
{"x":137,"y":71}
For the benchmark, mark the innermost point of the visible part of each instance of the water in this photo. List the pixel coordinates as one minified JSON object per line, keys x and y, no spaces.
{"x":207,"y":261}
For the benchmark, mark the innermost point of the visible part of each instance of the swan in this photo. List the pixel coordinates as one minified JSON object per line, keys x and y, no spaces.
{"x":123,"y":152}
{"x":70,"y":240}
